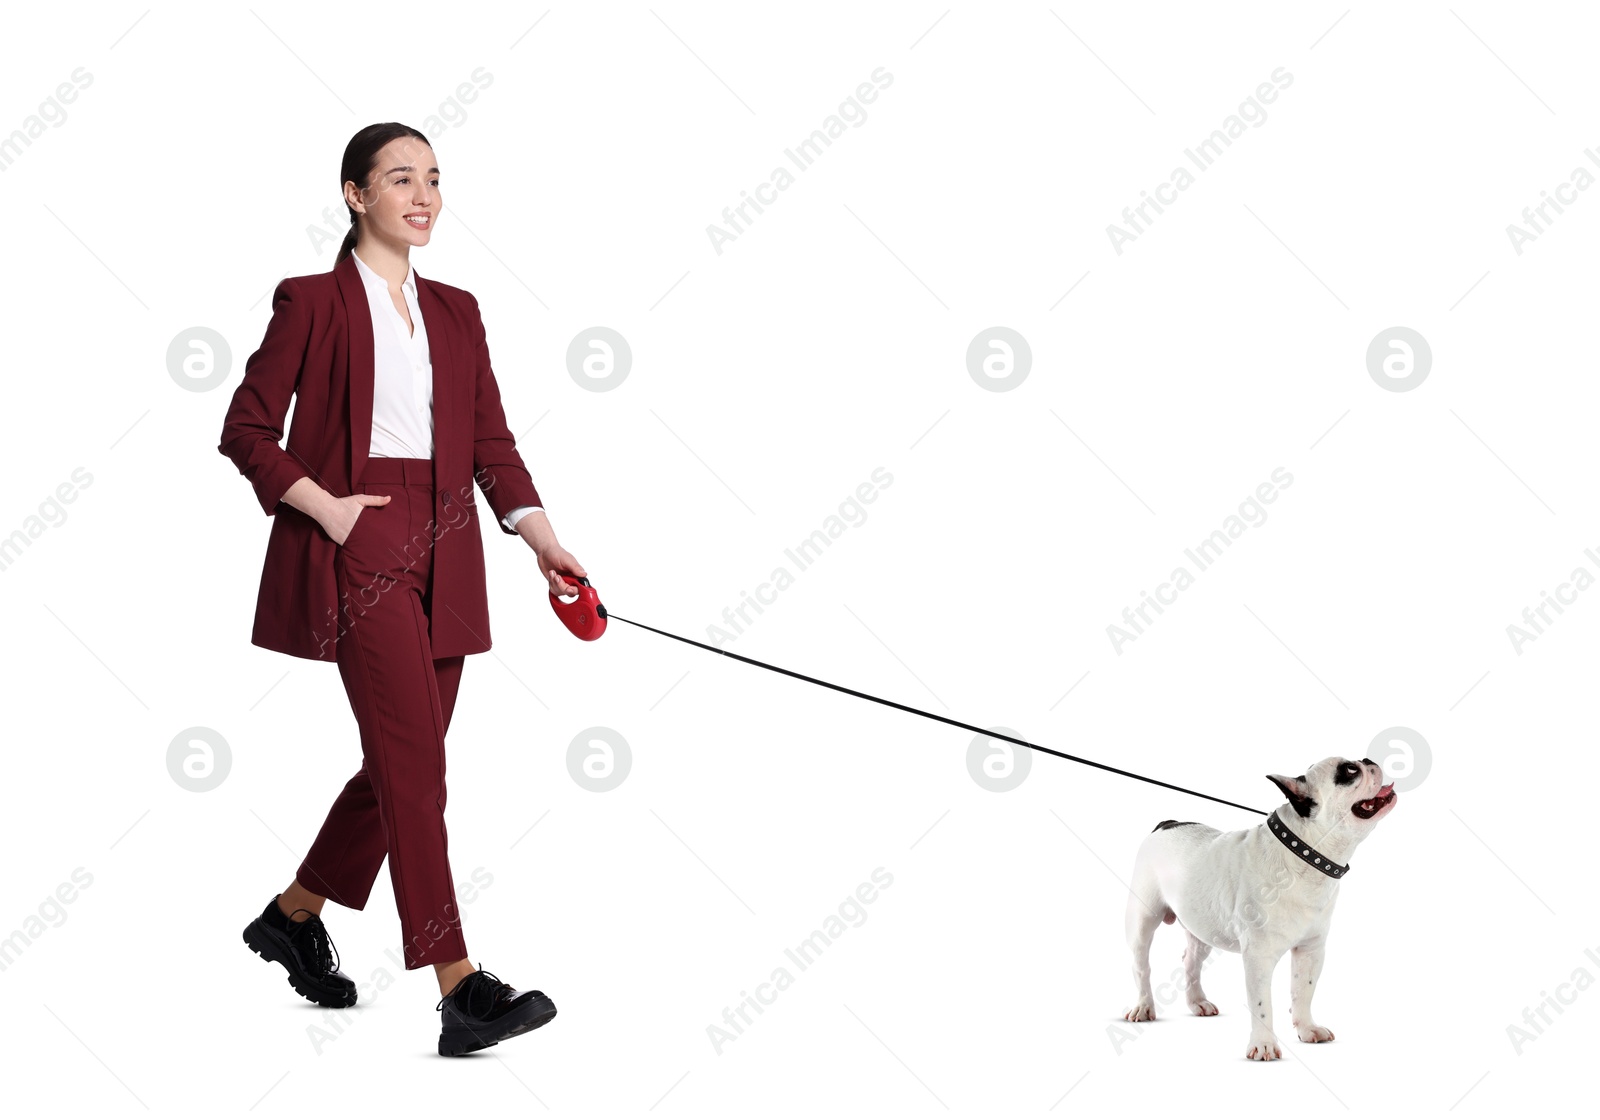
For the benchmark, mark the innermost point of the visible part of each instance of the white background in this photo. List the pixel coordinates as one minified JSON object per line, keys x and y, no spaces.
{"x":767,"y":383}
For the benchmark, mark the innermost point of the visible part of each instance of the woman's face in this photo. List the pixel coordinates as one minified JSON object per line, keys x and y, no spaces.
{"x":402,"y":202}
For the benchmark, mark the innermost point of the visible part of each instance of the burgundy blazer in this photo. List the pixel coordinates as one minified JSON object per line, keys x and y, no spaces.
{"x":318,"y":349}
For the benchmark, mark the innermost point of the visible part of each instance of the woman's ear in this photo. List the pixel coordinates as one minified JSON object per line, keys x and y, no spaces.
{"x":1297,"y":791}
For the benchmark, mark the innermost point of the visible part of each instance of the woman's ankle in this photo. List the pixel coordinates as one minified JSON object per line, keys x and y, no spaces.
{"x":451,"y":974}
{"x":296,"y":897}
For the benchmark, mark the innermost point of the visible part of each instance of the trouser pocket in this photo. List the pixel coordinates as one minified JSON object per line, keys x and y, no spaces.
{"x":364,"y":519}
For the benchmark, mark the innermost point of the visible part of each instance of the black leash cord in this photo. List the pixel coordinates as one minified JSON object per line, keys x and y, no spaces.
{"x":942,"y":719}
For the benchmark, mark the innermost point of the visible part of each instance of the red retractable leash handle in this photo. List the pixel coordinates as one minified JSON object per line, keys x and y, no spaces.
{"x":585,"y":616}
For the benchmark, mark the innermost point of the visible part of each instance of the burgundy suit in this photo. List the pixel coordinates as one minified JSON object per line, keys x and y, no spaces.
{"x":402,"y":600}
{"x":318,"y":348}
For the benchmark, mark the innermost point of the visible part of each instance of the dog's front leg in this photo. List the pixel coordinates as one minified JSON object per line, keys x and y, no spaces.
{"x":1305,"y":965}
{"x":1258,"y":966}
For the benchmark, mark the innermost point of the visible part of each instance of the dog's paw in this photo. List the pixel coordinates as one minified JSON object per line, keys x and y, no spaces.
{"x":1314,"y":1033}
{"x":1263,"y":1049}
{"x":1143,"y":1012}
{"x":1202,"y":1007}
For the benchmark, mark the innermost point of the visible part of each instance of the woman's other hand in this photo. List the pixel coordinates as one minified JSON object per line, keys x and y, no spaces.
{"x":337,"y":516}
{"x":341,"y":517}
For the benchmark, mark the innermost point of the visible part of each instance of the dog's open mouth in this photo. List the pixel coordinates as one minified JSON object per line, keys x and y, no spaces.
{"x":1369,"y":808}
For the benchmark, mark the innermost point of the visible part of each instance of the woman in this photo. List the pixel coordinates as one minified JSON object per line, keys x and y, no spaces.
{"x":375,"y":561}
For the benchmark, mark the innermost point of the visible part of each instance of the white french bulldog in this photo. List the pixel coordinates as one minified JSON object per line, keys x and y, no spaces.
{"x":1258,"y":892}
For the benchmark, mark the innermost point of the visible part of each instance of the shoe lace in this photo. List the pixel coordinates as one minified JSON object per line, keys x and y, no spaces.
{"x":475,"y":986}
{"x":313,"y":935}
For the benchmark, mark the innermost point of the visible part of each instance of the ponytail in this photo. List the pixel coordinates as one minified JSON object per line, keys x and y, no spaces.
{"x":349,"y":244}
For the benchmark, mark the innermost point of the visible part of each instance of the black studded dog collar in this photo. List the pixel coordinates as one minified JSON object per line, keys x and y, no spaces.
{"x":1300,"y":848}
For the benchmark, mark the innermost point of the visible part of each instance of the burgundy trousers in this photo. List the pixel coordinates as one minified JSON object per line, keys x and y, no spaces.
{"x":402,"y":697}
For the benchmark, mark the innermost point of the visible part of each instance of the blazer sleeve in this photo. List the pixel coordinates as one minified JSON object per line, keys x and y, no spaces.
{"x":253,"y":426}
{"x":496,"y":464}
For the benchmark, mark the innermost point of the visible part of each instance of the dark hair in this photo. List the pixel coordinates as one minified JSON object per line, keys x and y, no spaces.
{"x":359,"y":156}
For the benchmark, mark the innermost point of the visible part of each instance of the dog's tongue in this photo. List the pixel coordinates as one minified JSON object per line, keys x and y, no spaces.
{"x":1384,"y":792}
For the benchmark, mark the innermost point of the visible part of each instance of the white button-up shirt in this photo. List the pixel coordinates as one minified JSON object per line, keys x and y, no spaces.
{"x":402,"y":377}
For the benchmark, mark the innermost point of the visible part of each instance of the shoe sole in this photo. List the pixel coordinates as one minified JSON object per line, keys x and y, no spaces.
{"x":457,"y":1040}
{"x":265,"y":948}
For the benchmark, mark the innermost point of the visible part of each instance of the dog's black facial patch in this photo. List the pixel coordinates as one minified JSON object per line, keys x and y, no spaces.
{"x":1301,"y":803}
{"x":1172,"y":824}
{"x":1346,"y":774}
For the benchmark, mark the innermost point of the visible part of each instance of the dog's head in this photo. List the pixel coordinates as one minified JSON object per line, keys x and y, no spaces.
{"x":1339,"y":793}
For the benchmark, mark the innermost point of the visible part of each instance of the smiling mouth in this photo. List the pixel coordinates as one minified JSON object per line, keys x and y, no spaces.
{"x":1371,"y":807}
{"x":421,"y":221}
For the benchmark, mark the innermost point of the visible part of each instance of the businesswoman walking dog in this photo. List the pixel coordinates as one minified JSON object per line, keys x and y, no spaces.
{"x":375,"y":561}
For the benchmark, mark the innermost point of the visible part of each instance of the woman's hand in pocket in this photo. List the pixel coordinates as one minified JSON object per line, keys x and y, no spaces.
{"x":342,"y":518}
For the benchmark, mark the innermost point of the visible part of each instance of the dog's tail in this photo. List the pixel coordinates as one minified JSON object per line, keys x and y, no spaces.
{"x":1170,"y":824}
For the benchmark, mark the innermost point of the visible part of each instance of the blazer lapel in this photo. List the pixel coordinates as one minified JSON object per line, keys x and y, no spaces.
{"x":359,"y":379}
{"x":441,"y":341}
{"x":361,"y":375}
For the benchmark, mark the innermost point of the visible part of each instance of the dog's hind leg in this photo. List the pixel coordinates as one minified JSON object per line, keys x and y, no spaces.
{"x":1145,"y":912}
{"x":1194,"y":955}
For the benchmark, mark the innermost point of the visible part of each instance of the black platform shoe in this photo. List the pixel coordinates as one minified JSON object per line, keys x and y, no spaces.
{"x":482,"y":1010}
{"x":306,"y":952}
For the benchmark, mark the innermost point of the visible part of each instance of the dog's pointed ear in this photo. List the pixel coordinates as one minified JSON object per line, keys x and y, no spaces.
{"x":1297,"y":791}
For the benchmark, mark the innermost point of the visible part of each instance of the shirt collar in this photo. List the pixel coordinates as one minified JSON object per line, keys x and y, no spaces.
{"x":372,"y":279}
